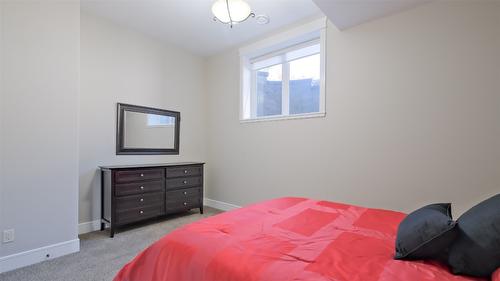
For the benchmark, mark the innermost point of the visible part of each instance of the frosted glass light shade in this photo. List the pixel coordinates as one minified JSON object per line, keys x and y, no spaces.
{"x":231,"y":11}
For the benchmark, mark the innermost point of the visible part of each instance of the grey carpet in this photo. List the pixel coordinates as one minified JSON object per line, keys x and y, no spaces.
{"x":101,"y":257}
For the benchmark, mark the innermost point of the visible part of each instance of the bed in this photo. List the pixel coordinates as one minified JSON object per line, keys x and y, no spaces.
{"x":284,"y":239}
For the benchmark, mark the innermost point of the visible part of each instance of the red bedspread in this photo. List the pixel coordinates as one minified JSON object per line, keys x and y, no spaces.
{"x":284,"y":239}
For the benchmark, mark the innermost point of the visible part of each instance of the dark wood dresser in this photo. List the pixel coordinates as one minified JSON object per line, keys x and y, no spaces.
{"x":134,"y":193}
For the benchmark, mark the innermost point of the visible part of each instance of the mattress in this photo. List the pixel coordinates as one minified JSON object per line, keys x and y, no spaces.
{"x":284,"y":239}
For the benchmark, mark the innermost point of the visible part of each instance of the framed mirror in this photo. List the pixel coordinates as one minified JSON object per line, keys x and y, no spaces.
{"x":146,"y":131}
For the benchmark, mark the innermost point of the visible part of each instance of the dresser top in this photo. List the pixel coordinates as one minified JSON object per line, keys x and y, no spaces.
{"x":115,"y":167}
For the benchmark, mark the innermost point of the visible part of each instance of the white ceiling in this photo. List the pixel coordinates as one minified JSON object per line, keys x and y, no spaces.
{"x":348,"y":13}
{"x":189,"y":24}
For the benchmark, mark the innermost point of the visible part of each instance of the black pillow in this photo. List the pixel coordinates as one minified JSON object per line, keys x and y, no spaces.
{"x":476,"y":251}
{"x":426,"y":233}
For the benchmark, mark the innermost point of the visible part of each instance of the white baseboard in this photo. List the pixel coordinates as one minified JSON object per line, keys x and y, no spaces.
{"x":86,"y":227}
{"x":30,"y":257}
{"x":220,"y":205}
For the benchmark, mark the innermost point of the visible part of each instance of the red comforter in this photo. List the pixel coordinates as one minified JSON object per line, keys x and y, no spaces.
{"x":284,"y":239}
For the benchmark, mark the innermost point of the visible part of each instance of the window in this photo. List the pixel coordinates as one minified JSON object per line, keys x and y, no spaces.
{"x":268,"y":92}
{"x":285,"y":80}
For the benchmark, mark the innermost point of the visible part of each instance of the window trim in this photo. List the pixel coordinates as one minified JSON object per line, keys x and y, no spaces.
{"x":289,"y":49}
{"x":292,"y":39}
{"x":284,"y":117}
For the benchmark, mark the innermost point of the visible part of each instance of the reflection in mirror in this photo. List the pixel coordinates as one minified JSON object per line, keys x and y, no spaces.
{"x":143,"y":130}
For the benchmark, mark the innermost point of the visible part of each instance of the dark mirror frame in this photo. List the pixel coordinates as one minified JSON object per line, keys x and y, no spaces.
{"x":121,"y":150}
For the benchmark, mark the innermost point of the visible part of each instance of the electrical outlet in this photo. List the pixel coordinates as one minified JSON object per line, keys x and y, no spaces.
{"x":8,"y":235}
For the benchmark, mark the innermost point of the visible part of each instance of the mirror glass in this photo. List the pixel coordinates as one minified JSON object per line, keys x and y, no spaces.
{"x":144,"y":130}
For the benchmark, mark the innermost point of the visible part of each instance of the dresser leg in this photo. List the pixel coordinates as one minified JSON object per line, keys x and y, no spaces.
{"x":112,"y":232}
{"x":103,"y":226}
{"x":201,"y":210}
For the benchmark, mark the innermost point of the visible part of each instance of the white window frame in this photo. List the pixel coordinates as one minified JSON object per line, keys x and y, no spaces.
{"x":296,"y":38}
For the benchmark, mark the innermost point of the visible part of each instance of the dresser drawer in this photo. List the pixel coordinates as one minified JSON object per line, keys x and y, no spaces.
{"x":137,"y":201}
{"x":139,"y":175}
{"x":184,"y":182}
{"x":183,"y":204}
{"x":180,"y":194}
{"x":139,"y":187}
{"x":175,"y":172}
{"x":132,"y":215}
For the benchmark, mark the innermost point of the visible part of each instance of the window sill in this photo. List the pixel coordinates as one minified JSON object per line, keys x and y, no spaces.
{"x":283,"y":117}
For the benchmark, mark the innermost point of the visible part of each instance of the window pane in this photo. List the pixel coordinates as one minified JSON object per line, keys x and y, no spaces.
{"x":304,"y":84}
{"x":268,"y":90}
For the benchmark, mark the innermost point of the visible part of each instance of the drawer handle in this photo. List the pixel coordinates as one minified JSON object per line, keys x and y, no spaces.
{"x":141,"y":212}
{"x":185,"y":171}
{"x":185,"y":182}
{"x":142,"y":187}
{"x":142,"y":175}
{"x":185,"y":204}
{"x":142,"y":199}
{"x":185,"y":193}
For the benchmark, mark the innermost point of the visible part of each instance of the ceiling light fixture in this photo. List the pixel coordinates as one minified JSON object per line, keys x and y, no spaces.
{"x":231,"y":11}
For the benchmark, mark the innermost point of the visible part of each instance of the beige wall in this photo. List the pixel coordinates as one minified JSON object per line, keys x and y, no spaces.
{"x":120,"y":65}
{"x":412,"y":118}
{"x":39,"y":127}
